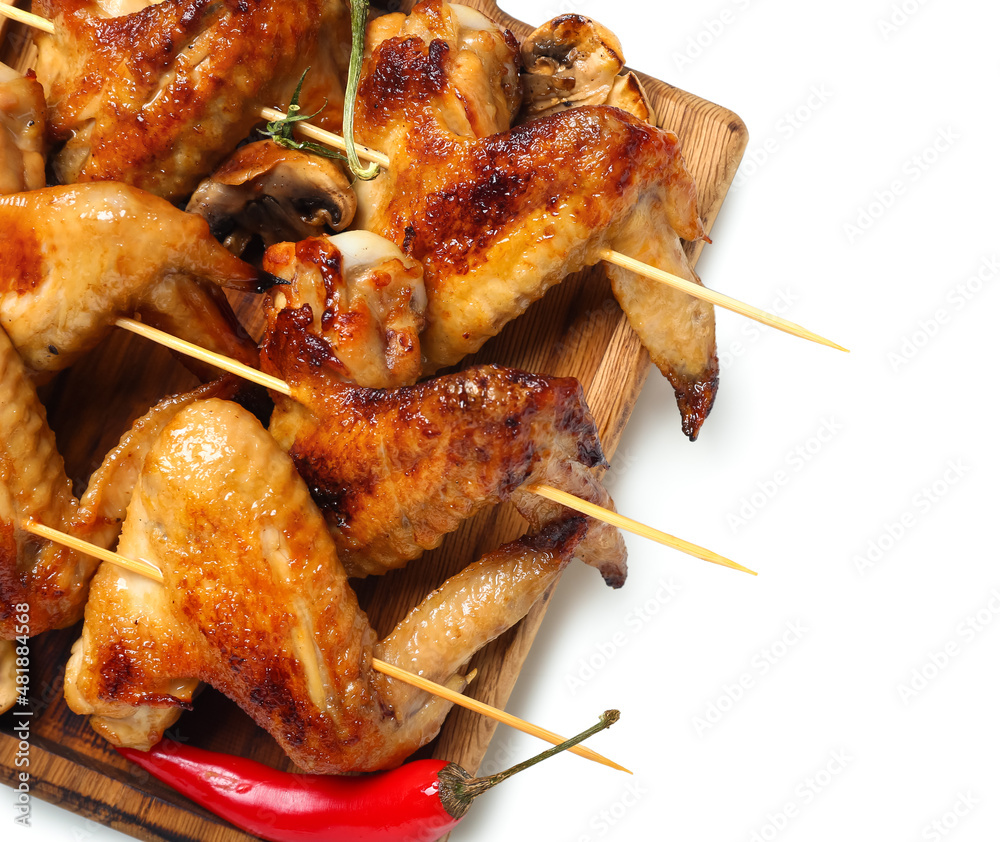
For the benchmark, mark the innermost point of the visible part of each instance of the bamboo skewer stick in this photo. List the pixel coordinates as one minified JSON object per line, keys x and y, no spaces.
{"x":189,"y":349}
{"x":151,"y":571}
{"x":618,"y":259}
{"x":713,"y":297}
{"x":142,"y":567}
{"x":484,"y":709}
{"x":569,"y":500}
{"x":635,"y":527}
{"x":334,"y":141}
{"x":28,"y":19}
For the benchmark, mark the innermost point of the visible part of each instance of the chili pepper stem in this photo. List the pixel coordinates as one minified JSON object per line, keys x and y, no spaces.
{"x":458,"y":788}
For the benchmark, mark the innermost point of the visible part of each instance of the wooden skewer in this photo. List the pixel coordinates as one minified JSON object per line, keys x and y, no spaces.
{"x":189,"y":349}
{"x":27,"y":18}
{"x":143,"y":568}
{"x":151,"y":571}
{"x":586,"y":507}
{"x":335,"y":141}
{"x":714,"y":297}
{"x":485,"y":710}
{"x":563,"y":497}
{"x":609,"y":255}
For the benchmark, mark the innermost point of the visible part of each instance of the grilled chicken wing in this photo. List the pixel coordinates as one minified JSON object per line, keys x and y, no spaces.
{"x":157,"y":98}
{"x":351,"y":312}
{"x":497,"y":220}
{"x":76,"y":257}
{"x":49,"y":578}
{"x":394,"y":471}
{"x":481,"y":92}
{"x":22,"y":132}
{"x":255,"y":603}
{"x":275,"y":193}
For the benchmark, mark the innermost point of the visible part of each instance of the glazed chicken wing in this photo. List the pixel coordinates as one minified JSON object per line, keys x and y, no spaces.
{"x":50,"y":579}
{"x":481,"y":92}
{"x":497,"y":220}
{"x":74,"y":258}
{"x":157,"y":98}
{"x":351,"y":312}
{"x":255,"y":603}
{"x":22,"y":132}
{"x":394,"y":471}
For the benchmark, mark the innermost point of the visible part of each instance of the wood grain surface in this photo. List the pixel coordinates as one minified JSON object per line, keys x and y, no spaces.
{"x":576,"y":329}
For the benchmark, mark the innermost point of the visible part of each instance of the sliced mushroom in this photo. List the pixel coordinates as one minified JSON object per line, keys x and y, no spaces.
{"x":573,"y":60}
{"x":22,"y":132}
{"x":276,"y":193}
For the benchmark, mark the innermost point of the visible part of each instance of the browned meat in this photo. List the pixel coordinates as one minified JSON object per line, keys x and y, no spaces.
{"x":498,"y":219}
{"x":394,"y":471}
{"x":157,"y":98}
{"x":351,"y":312}
{"x":256,"y":604}
{"x":22,"y":132}
{"x":50,"y":579}
{"x":74,"y":258}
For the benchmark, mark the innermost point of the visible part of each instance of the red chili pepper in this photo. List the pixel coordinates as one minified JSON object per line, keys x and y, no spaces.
{"x":418,"y":802}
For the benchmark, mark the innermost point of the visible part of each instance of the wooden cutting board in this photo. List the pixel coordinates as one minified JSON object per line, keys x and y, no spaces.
{"x":577,"y":329}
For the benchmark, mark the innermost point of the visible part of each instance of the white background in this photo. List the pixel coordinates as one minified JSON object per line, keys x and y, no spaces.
{"x":831,"y":736}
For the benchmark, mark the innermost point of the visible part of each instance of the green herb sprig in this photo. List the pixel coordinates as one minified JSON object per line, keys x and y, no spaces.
{"x":280,"y":131}
{"x":359,"y":18}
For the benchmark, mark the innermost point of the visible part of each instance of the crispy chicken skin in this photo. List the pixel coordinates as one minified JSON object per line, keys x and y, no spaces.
{"x":51,"y":580}
{"x":394,"y":471}
{"x":351,"y":312}
{"x":22,"y":132}
{"x":76,"y":257}
{"x":256,"y":603}
{"x":157,"y":98}
{"x":496,"y":220}
{"x":480,"y":92}
{"x":47,"y":577}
